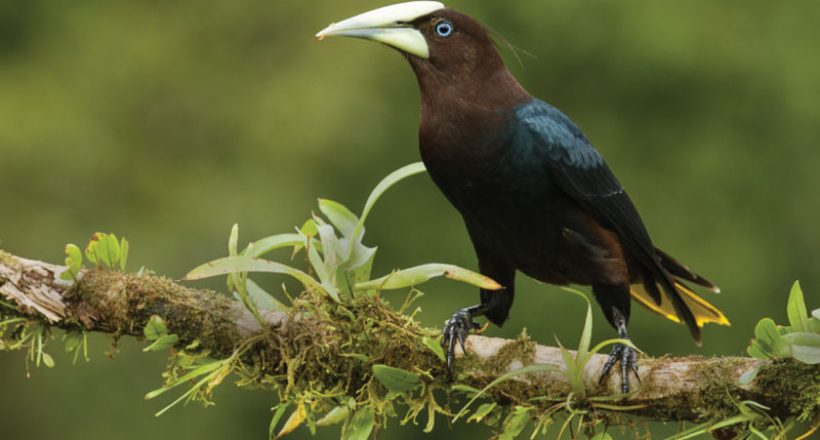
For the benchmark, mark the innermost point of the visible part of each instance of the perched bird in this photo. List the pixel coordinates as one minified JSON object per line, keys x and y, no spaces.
{"x":535,"y":195}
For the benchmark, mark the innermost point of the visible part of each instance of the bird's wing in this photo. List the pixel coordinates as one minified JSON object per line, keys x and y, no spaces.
{"x":561,"y":147}
{"x":545,"y":134}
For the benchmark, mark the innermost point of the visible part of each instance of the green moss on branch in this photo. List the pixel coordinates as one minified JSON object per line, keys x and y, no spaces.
{"x":322,"y":353}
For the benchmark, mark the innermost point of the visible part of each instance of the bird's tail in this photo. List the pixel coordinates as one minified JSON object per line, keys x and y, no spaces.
{"x":698,"y":311}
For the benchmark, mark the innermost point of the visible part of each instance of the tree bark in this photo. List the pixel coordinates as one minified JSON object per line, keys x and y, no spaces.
{"x":672,"y":389}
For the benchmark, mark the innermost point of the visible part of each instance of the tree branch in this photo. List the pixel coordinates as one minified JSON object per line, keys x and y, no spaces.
{"x":689,"y":388}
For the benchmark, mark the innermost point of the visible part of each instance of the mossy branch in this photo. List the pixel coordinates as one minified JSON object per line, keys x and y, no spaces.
{"x":672,"y":389}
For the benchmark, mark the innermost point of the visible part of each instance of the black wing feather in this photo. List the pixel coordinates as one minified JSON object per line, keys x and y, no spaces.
{"x":582,"y":173}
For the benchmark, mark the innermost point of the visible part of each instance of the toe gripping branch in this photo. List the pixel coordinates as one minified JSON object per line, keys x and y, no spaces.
{"x":624,"y":355}
{"x":456,"y":329}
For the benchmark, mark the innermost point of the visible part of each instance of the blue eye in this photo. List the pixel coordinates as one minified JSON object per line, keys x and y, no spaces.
{"x":444,"y":28}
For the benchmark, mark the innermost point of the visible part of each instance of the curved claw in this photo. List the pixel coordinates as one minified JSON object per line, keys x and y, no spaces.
{"x":456,"y":329}
{"x":627,"y":358}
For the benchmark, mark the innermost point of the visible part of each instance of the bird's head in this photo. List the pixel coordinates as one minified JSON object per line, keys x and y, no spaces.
{"x":445,"y":47}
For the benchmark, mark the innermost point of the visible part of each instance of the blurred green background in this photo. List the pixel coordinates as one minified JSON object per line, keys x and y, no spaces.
{"x":167,"y":122}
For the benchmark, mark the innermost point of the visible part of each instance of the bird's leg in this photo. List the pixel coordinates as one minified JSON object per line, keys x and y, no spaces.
{"x":457,"y":328}
{"x":626,"y":356}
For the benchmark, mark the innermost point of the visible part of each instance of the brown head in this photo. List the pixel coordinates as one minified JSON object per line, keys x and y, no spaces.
{"x":453,"y":56}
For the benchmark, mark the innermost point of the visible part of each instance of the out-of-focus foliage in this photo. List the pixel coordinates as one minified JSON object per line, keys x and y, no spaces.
{"x":183,"y":118}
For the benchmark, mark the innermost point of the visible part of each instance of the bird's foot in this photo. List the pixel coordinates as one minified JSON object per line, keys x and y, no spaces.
{"x":627,"y":357}
{"x":456,"y":329}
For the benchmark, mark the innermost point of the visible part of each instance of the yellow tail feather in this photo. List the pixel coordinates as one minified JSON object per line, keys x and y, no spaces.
{"x":701,"y":309}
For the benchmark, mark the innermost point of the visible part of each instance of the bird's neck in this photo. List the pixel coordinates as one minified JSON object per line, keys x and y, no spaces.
{"x":485,"y":89}
{"x":458,"y":114}
{"x":463,"y":126}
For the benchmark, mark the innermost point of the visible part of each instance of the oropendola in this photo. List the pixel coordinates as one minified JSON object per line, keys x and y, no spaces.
{"x":534,"y":193}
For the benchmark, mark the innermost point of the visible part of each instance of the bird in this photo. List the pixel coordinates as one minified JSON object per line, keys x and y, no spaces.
{"x":536,"y":197}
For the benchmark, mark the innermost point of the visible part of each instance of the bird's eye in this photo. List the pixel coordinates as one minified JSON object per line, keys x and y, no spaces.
{"x":444,"y":28}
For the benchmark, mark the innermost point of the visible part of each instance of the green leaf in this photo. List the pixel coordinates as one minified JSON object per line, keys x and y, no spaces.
{"x":262,"y":299}
{"x":749,"y":409}
{"x":73,"y":262}
{"x":361,"y":272}
{"x":391,"y":179}
{"x":766,"y":332}
{"x":435,"y":347}
{"x":803,"y":346}
{"x":601,"y":436}
{"x":155,"y":328}
{"x":339,"y":216}
{"x":755,"y":350}
{"x":472,"y":391}
{"x":756,"y":432}
{"x":233,"y":240}
{"x":112,"y":248}
{"x":90,"y":252}
{"x":747,"y":377}
{"x":586,"y":333}
{"x":361,"y":260}
{"x":481,"y":412}
{"x":73,"y":339}
{"x":796,"y":309}
{"x":357,"y":356}
{"x":330,"y":249}
{"x":529,"y":369}
{"x":360,"y":425}
{"x":244,"y":263}
{"x":586,"y":336}
{"x":309,"y":228}
{"x":316,"y":261}
{"x":74,"y":255}
{"x":162,"y":343}
{"x":98,"y":247}
{"x":575,"y":371}
{"x":734,"y":420}
{"x":296,"y":419}
{"x":48,"y":361}
{"x":278,"y":412}
{"x":420,"y":274}
{"x":278,"y":241}
{"x":335,"y":416}
{"x":210,"y":380}
{"x":515,"y":423}
{"x":105,"y":250}
{"x":396,"y":379}
{"x":193,"y":374}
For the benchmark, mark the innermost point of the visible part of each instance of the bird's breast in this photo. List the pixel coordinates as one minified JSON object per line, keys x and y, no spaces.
{"x":505,"y":195}
{"x":480,"y":166}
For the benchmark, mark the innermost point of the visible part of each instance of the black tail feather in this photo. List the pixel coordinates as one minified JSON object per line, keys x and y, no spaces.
{"x":651,"y":287}
{"x":682,"y":310}
{"x":679,"y":270}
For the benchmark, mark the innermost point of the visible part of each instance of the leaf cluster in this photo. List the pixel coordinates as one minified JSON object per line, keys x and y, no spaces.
{"x":799,"y":340}
{"x":103,"y":250}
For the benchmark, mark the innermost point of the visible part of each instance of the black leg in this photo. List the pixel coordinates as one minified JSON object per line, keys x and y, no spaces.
{"x":495,"y":304}
{"x":456,"y":329}
{"x":622,"y":354}
{"x":615,"y":302}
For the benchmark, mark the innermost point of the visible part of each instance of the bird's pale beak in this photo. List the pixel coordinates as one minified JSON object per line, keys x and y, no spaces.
{"x":389,"y":25}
